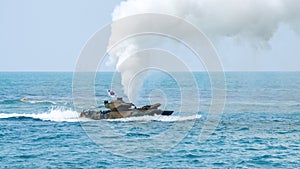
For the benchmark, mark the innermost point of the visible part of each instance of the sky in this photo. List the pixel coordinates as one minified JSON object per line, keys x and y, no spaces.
{"x":49,"y":35}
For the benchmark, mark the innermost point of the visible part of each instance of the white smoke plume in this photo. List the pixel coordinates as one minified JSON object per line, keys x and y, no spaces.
{"x":250,"y":21}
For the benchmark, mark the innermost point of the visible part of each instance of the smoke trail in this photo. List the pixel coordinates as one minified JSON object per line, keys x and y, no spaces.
{"x":250,"y":21}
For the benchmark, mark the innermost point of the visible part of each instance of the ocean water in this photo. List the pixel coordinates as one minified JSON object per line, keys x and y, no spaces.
{"x":260,"y":126}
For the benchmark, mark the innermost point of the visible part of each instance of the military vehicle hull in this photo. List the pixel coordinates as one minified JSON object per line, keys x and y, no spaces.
{"x":108,"y":114}
{"x":120,"y":109}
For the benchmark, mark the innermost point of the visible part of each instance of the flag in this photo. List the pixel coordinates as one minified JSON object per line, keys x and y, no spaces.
{"x":111,"y":93}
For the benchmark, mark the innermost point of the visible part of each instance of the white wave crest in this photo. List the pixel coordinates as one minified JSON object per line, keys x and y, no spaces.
{"x":25,"y":100}
{"x":60,"y":114}
{"x":159,"y":118}
{"x":54,"y":114}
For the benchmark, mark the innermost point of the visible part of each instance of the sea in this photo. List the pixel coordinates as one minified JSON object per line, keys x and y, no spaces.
{"x":258,"y":127}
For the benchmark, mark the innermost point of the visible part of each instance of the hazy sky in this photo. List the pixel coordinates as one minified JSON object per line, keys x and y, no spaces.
{"x":48,"y":36}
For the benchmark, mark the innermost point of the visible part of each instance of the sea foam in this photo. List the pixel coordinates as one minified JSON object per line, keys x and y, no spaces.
{"x":57,"y":114}
{"x":60,"y":114}
{"x":159,"y":118}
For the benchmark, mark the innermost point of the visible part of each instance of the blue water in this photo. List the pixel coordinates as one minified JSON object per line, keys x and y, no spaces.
{"x":260,"y":126}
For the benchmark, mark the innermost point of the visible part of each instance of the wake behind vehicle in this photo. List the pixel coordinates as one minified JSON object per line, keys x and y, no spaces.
{"x":120,"y":109}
